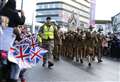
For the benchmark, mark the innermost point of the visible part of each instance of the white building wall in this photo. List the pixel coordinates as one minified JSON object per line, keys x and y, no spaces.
{"x":48,"y":0}
{"x":83,"y":16}
{"x":78,"y":5}
{"x":76,"y":10}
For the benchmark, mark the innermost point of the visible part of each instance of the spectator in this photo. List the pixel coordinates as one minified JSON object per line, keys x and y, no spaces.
{"x":3,"y":53}
{"x":11,"y":12}
{"x":3,"y":23}
{"x":2,"y":3}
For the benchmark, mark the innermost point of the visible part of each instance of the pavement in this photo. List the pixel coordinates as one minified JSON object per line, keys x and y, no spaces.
{"x":66,"y":70}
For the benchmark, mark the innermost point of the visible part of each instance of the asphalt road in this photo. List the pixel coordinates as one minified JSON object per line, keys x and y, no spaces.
{"x":67,"y":71}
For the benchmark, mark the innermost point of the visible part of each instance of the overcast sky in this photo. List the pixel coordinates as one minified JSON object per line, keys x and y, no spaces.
{"x":105,"y":9}
{"x":28,"y":8}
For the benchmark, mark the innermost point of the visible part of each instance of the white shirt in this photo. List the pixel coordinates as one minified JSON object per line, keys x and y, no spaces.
{"x":1,"y":31}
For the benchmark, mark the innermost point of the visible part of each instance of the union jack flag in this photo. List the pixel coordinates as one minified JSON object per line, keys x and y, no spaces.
{"x":21,"y":52}
{"x":34,"y":42}
{"x":37,"y":54}
{"x":27,"y":51}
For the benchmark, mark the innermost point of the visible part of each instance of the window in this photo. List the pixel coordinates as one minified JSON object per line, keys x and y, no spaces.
{"x":49,"y":12}
{"x":58,"y":5}
{"x":41,"y":6}
{"x":45,"y":5}
{"x":54,"y":5}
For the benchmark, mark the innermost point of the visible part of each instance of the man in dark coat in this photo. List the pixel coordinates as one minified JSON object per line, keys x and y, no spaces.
{"x":2,"y":3}
{"x":11,"y":12}
{"x":115,"y":47}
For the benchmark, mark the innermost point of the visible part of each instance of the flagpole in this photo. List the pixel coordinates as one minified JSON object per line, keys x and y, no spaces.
{"x":21,"y":4}
{"x":33,"y":17}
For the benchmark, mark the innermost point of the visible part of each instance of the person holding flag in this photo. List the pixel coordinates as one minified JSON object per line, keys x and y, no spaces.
{"x":3,"y":47}
{"x":9,"y":10}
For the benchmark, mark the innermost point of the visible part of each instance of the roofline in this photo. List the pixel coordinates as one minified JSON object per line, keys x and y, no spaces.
{"x":116,"y":14}
{"x":62,"y":2}
{"x":56,"y":2}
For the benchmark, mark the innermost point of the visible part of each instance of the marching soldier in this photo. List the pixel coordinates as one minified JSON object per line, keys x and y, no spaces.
{"x":48,"y":32}
{"x":82,"y":44}
{"x":60,"y":43}
{"x":57,"y":43}
{"x":99,"y":47}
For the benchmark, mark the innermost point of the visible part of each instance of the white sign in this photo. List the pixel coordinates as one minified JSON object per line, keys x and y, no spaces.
{"x":6,"y":39}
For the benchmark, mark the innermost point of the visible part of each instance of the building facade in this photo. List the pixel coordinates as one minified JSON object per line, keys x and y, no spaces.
{"x":104,"y":25}
{"x":64,"y":10}
{"x":116,"y":22}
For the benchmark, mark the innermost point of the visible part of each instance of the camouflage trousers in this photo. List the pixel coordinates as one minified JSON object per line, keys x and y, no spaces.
{"x":49,"y":45}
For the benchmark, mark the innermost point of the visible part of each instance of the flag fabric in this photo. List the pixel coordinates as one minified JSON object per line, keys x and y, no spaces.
{"x":26,"y":53}
{"x":19,"y":55}
{"x":33,"y":41}
{"x":37,"y":54}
